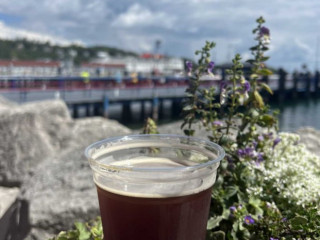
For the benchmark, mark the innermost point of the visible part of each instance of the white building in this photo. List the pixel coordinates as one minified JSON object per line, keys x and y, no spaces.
{"x":21,"y":68}
{"x":102,"y":69}
{"x":147,"y":64}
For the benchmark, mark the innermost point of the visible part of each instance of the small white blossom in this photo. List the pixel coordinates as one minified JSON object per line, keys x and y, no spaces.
{"x":293,"y":171}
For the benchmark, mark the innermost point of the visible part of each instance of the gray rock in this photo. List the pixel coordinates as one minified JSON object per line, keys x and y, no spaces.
{"x":8,"y":214}
{"x":175,"y":128}
{"x":38,"y":233}
{"x":62,"y":191}
{"x":89,"y":130}
{"x":8,"y":196}
{"x":4,"y":103}
{"x":311,"y":138}
{"x":43,"y":147}
{"x":30,"y":134}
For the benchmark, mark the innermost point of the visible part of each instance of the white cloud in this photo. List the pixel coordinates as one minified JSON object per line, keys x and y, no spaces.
{"x":138,"y":15}
{"x":182,"y":25}
{"x":14,"y":33}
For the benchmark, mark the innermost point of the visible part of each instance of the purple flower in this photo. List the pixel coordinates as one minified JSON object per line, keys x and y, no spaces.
{"x":210,"y":67}
{"x":240,"y":206}
{"x":284,"y":219}
{"x":230,"y":162}
{"x":229,"y":159}
{"x":240,"y":152}
{"x":268,"y":135}
{"x":246,"y":86}
{"x":264,"y":32}
{"x":260,"y":138}
{"x":248,"y":220}
{"x":233,"y":209}
{"x":249,"y":151}
{"x":189,"y":67}
{"x":217,"y":123}
{"x":276,"y":141}
{"x":274,"y":238}
{"x":260,"y":157}
{"x":223,"y":84}
{"x":254,"y":143}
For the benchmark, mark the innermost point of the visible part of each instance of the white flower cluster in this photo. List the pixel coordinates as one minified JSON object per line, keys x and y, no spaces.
{"x":292,"y":170}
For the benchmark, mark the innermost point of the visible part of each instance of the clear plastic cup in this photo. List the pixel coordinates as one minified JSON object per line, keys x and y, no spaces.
{"x":154,"y":187}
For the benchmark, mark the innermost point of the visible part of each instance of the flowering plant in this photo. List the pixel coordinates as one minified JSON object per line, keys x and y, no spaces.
{"x":256,"y":195}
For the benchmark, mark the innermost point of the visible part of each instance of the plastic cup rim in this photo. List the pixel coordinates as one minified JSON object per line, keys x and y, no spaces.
{"x":220,"y":154}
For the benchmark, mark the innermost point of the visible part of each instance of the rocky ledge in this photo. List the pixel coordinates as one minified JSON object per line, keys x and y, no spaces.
{"x":41,"y":152}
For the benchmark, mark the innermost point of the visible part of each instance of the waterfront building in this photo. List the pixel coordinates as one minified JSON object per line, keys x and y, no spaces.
{"x":102,"y":69}
{"x":146,"y":64}
{"x":20,"y":68}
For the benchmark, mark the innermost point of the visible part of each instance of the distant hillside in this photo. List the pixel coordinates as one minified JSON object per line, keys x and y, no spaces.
{"x":23,"y":49}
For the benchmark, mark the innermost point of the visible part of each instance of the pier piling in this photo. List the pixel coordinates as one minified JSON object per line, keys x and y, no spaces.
{"x":142,"y":110}
{"x":126,"y":114}
{"x":316,"y":83}
{"x":106,"y":107}
{"x":75,"y":110}
{"x":282,"y":86}
{"x":155,"y":108}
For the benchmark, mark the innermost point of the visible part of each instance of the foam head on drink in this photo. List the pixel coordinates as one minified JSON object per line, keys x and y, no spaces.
{"x":154,"y":189}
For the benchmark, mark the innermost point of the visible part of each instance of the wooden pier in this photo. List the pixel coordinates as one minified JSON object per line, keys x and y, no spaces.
{"x":95,"y":100}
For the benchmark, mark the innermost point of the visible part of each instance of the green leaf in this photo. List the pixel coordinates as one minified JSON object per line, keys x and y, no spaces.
{"x":234,"y":235}
{"x":213,"y":222}
{"x":241,"y":227}
{"x":264,"y":72}
{"x":183,"y":124}
{"x":254,"y":76}
{"x":268,"y":120}
{"x":235,"y":228}
{"x":254,"y":48}
{"x":96,"y":229}
{"x":218,"y":235}
{"x":266,"y":87}
{"x":258,"y":98}
{"x":231,"y":191}
{"x":226,"y":213}
{"x":188,"y":132}
{"x":84,"y":234}
{"x":256,"y":203}
{"x":298,"y":221}
{"x":216,"y":105}
{"x":188,"y":108}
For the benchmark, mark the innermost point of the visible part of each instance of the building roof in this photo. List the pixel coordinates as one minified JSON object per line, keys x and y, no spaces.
{"x":27,"y":63}
{"x":103,"y":65}
{"x":150,"y":55}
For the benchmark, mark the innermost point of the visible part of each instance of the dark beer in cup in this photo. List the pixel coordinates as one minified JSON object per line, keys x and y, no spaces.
{"x":154,"y":187}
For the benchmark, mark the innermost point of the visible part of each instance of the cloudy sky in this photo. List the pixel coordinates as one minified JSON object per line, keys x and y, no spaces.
{"x":182,"y":25}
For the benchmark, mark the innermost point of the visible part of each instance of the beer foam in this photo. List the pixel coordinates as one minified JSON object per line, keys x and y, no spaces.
{"x":147,"y":162}
{"x":154,"y":184}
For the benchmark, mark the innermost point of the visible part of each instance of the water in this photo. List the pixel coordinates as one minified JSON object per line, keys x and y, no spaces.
{"x":294,"y":114}
{"x":299,"y":113}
